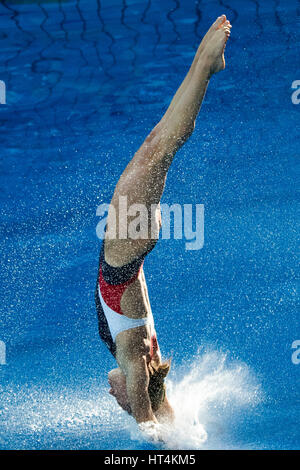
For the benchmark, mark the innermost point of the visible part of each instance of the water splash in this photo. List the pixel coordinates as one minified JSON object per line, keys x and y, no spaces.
{"x":207,"y":400}
{"x":34,"y":417}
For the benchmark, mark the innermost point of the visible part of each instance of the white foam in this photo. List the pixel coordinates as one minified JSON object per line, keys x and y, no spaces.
{"x":206,"y":394}
{"x":36,"y":411}
{"x":205,"y":400}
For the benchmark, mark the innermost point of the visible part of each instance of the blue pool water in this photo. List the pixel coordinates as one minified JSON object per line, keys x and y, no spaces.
{"x":86,"y":80}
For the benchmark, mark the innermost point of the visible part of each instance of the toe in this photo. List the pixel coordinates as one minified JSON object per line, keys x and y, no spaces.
{"x":226,"y":29}
{"x":220,"y":21}
{"x":226,"y":24}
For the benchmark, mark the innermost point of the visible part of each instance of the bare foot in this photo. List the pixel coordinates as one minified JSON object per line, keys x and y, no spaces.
{"x":215,"y":47}
{"x":216,"y":25}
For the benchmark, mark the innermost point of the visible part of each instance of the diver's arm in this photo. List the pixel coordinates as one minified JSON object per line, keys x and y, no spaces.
{"x":165,"y":413}
{"x":137,"y":381}
{"x":131,"y":357}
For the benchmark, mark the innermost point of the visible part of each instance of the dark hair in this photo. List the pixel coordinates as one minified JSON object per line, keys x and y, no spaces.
{"x":157,"y":388}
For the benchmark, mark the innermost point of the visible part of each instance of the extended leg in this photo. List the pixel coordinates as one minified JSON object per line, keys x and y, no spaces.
{"x":221,"y":21}
{"x":144,"y":178}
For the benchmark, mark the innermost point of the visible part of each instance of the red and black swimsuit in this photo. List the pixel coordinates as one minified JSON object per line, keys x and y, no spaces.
{"x":111,"y":285}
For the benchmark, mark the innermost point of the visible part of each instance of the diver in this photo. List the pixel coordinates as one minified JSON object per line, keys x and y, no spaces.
{"x":125,"y":318}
